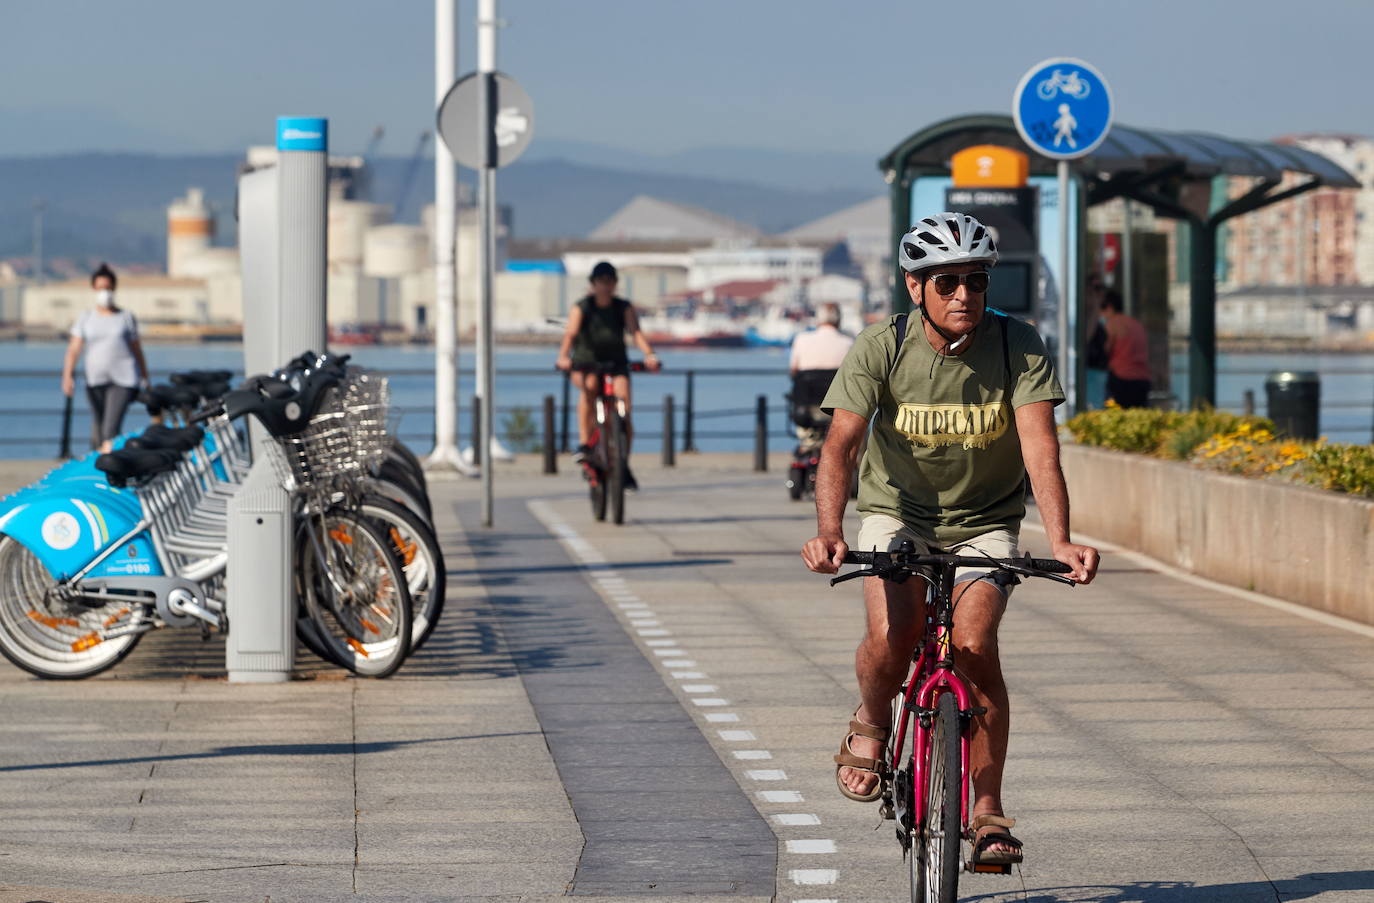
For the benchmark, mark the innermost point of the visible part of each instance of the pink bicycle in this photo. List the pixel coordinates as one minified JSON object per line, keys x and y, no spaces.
{"x":927,"y":794}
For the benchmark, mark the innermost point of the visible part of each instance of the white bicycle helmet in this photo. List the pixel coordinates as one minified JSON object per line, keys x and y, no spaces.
{"x":947,"y":238}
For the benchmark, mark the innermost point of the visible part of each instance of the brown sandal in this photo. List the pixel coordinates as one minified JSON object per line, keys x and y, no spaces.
{"x":984,"y":859}
{"x":847,"y":758}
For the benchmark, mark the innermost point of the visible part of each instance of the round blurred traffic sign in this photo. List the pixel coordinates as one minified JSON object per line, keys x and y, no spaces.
{"x":458,"y":125}
{"x":1063,"y":108}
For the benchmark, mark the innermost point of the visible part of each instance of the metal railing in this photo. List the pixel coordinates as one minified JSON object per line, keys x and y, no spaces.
{"x":681,"y":419}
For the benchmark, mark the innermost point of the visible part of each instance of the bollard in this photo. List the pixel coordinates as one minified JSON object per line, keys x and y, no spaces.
{"x":477,"y":455}
{"x":550,"y":451}
{"x":761,"y":435}
{"x":1248,"y":406}
{"x":687,"y":444}
{"x":563,"y":427}
{"x":1294,"y":403}
{"x":669,"y":458}
{"x":64,"y":447}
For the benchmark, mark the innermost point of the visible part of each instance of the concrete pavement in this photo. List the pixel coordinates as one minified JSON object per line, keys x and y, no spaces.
{"x":1172,"y":743}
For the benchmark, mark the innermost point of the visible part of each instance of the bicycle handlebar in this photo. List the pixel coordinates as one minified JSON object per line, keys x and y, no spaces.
{"x":889,"y":564}
{"x":632,"y":366}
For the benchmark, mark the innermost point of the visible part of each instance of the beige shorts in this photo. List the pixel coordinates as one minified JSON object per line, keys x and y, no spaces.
{"x":882,"y":532}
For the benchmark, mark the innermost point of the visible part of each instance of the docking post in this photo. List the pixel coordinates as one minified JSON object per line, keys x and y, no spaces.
{"x":550,"y":450}
{"x":281,"y":212}
{"x":761,"y":435}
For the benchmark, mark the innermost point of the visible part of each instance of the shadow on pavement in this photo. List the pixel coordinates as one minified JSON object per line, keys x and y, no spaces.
{"x":279,"y":749}
{"x":1299,"y":888}
{"x":506,"y":576}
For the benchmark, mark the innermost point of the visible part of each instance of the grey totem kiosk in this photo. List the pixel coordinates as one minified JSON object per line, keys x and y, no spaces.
{"x":282,"y":215}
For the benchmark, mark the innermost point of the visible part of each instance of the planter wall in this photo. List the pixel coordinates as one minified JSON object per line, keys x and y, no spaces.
{"x":1302,"y":545}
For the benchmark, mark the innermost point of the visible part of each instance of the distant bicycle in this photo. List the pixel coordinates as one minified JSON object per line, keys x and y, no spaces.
{"x":927,"y":792}
{"x":606,"y":467}
{"x":1070,"y":84}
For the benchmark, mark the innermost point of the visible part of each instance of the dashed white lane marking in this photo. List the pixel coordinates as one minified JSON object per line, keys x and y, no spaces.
{"x":797,"y":819}
{"x":646,"y":624}
{"x":814,"y":876}
{"x":810,"y":847}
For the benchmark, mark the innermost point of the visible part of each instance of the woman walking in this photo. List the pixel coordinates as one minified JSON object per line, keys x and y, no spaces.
{"x":115,"y":367}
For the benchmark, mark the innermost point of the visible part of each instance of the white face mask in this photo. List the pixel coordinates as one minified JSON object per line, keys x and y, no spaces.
{"x":104,"y":298}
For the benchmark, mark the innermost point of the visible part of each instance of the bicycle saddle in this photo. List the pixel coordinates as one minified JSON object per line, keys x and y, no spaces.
{"x":165,"y":396}
{"x":198,"y":378}
{"x":181,"y":439}
{"x":126,"y":464}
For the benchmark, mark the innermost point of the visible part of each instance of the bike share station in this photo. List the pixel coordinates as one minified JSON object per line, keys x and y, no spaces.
{"x":282,"y":222}
{"x":1007,"y":171}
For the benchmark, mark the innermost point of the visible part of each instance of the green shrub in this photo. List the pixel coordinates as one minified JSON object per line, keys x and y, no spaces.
{"x":1233,"y":443}
{"x":1138,"y":430}
{"x":1344,"y":468}
{"x":520,"y":431}
{"x":1196,"y":427}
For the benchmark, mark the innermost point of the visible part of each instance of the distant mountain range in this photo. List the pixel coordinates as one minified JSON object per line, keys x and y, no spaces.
{"x":113,"y":205}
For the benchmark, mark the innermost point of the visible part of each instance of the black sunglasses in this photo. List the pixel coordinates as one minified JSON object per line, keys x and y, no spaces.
{"x":948,"y":283}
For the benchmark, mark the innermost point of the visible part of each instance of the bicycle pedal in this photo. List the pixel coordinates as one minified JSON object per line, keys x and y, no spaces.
{"x":988,"y":868}
{"x":886,"y":811}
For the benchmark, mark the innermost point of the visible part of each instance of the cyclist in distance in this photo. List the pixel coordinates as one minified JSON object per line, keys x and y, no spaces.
{"x":962,"y":407}
{"x":595,"y":334}
{"x":812,"y":363}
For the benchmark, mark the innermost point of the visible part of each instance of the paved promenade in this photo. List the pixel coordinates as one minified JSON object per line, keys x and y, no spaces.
{"x":649,"y":711}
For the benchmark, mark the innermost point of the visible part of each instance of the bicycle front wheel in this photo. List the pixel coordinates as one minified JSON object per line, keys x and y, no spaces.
{"x":354,"y":593}
{"x":414,"y":543}
{"x":935,"y":861}
{"x":48,"y":636}
{"x":615,"y":463}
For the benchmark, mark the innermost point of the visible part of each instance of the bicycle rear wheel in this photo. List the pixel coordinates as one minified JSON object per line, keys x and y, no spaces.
{"x":353,"y":591}
{"x":935,"y":864}
{"x":616,"y":464}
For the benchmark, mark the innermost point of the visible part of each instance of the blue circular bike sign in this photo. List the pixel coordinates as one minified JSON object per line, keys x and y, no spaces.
{"x":1063,"y":108}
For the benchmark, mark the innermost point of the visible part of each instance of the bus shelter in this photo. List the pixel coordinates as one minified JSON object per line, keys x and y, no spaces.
{"x":1170,"y":172}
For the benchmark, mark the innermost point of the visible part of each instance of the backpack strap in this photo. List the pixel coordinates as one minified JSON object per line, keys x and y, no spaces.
{"x":901,"y":337}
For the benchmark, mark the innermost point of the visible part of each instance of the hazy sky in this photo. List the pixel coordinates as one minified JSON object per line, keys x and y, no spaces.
{"x":659,"y":76}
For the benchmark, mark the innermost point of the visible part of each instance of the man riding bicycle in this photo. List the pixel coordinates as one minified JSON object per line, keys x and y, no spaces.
{"x":964,"y":401}
{"x":595,"y":334}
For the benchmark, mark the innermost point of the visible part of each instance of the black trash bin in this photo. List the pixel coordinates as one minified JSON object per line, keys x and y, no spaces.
{"x":1295,"y":402}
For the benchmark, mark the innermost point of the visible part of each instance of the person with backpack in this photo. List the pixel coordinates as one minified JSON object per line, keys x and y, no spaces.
{"x":595,"y":334}
{"x":961,"y":402}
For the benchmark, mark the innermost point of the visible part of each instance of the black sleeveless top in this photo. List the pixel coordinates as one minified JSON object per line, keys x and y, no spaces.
{"x":602,"y":336}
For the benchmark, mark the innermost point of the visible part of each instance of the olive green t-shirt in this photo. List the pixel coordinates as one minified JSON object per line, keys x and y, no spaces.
{"x":944,"y":456}
{"x":602,"y":336}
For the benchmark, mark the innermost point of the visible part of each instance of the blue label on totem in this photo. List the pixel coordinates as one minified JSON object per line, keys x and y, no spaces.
{"x":302,"y":133}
